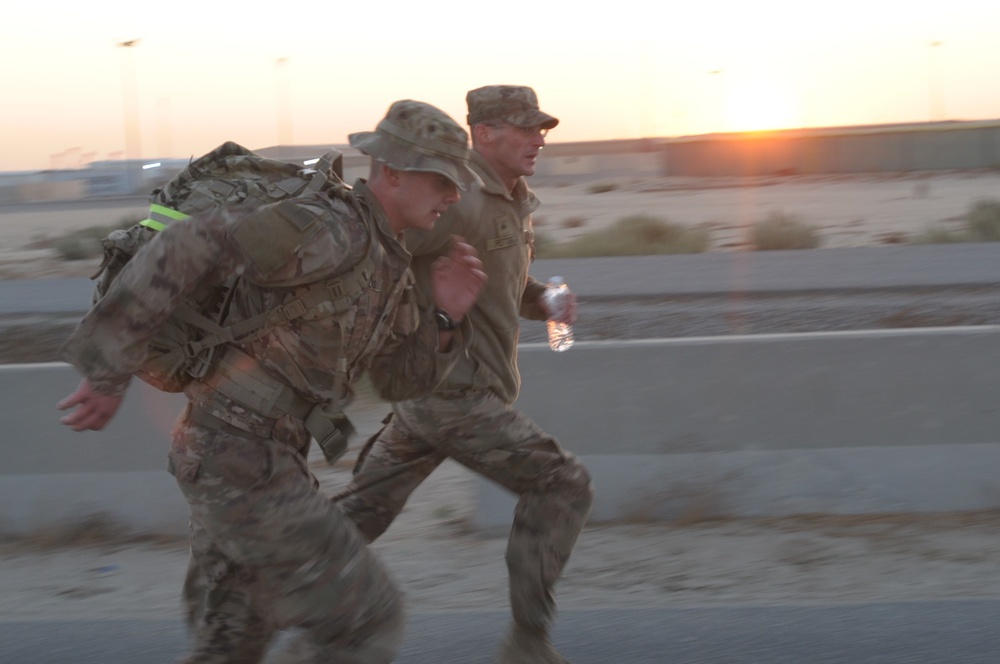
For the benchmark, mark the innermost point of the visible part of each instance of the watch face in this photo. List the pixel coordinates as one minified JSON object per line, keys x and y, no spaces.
{"x":444,"y":321}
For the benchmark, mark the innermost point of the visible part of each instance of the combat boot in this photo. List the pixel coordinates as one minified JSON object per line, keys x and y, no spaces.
{"x":525,"y":645}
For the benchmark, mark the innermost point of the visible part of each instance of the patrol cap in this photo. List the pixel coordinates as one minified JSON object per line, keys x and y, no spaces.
{"x":415,"y":136}
{"x":516,"y":105}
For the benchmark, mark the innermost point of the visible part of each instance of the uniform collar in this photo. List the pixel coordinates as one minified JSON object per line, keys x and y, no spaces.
{"x":492,"y":184}
{"x":370,"y":201}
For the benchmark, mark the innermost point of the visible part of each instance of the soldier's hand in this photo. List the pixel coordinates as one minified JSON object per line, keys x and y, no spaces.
{"x":93,"y":410}
{"x":568,"y":313}
{"x":458,"y":279}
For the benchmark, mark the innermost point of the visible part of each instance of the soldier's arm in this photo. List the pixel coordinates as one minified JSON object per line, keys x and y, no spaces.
{"x":419,"y":353}
{"x":91,"y":409}
{"x":110,"y":342}
{"x":531,"y":300}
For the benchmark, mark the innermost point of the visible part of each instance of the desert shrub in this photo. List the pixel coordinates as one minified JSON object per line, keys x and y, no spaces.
{"x":573,"y":222}
{"x":74,"y":248}
{"x":601,"y":188}
{"x":782,"y":231}
{"x":982,"y":224}
{"x":543,"y":244}
{"x":939,"y":235}
{"x":86,"y":242}
{"x":983,"y":221}
{"x":633,"y":236}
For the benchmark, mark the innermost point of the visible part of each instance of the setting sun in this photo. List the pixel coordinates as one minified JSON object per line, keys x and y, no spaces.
{"x":755,"y":106}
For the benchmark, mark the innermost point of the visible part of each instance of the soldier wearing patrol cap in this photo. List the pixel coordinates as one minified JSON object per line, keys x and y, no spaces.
{"x":268,"y":551}
{"x":515,"y":105}
{"x":470,"y":417}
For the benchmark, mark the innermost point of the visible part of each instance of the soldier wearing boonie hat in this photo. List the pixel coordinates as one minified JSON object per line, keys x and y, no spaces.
{"x":238,"y":450}
{"x":470,"y":417}
{"x":415,"y":136}
{"x":516,"y":105}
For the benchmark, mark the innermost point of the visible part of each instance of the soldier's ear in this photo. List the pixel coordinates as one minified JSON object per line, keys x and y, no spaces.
{"x":482,"y":133}
{"x":391,"y":175}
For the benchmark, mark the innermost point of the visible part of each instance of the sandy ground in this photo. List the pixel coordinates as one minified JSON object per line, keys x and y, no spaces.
{"x":442,"y":564}
{"x":847,"y":211}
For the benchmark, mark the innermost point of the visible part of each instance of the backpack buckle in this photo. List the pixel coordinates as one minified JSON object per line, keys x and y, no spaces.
{"x":293,"y":309}
{"x":336,"y":288}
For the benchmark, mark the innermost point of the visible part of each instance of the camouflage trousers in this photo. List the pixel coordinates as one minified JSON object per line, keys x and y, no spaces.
{"x":483,"y":433}
{"x":269,"y":552}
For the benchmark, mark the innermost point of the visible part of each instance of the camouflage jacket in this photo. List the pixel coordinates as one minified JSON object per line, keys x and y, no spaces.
{"x":327,"y":235}
{"x":498,"y":225}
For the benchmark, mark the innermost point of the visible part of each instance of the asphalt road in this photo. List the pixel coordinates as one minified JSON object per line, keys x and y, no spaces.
{"x":891,"y":633}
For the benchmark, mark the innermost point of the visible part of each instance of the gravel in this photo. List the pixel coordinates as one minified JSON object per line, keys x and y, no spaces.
{"x":37,"y":338}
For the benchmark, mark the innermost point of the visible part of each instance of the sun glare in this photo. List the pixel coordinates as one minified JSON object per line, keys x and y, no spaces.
{"x":760,"y":106}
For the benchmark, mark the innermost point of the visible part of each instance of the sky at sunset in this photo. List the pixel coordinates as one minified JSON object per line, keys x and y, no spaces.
{"x":264,"y":74}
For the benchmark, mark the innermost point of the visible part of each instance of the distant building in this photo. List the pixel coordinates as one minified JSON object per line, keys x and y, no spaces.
{"x":894,"y":148}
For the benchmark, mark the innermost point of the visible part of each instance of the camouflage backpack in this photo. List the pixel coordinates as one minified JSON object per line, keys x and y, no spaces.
{"x":185,"y":347}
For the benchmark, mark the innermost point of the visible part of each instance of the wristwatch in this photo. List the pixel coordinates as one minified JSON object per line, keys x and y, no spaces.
{"x":444,"y":321}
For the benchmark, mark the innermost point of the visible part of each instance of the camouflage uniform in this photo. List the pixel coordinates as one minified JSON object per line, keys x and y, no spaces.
{"x":268,"y":551}
{"x":469,"y":418}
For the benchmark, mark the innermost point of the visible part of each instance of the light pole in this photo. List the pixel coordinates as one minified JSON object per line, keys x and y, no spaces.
{"x":164,"y":142}
{"x":719,"y":98}
{"x":130,"y":101}
{"x":935,"y":82}
{"x":647,"y":125}
{"x":283,"y":104}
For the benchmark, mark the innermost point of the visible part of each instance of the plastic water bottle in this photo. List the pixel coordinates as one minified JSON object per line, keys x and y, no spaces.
{"x":560,"y":334}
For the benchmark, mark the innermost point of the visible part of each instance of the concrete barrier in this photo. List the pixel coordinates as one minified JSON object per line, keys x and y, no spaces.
{"x":51,"y":476}
{"x":763,"y":425}
{"x":771,"y":425}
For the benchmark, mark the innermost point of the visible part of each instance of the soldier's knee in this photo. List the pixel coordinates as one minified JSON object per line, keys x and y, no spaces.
{"x":390,"y":637}
{"x":574,"y":483}
{"x":378,"y":641}
{"x":370,"y":520}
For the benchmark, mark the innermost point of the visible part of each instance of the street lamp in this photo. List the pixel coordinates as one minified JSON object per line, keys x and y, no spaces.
{"x":646,"y":113}
{"x":283,"y":102}
{"x":935,"y":82}
{"x":164,"y":143}
{"x":130,"y":100}
{"x":719,"y":98}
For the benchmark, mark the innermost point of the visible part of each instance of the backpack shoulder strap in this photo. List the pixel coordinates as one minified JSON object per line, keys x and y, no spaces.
{"x":331,"y":163}
{"x":335,"y":294}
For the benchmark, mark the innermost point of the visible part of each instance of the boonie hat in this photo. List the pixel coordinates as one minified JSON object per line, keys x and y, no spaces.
{"x":415,"y":136}
{"x":515,"y":105}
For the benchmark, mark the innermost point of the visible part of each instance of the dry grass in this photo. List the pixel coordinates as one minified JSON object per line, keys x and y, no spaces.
{"x":781,"y":231}
{"x":981,"y":223}
{"x":96,"y":531}
{"x":637,"y":235}
{"x":86,"y":242}
{"x":601,"y":187}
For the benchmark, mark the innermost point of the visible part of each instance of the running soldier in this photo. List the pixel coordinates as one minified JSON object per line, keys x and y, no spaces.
{"x":470,"y":417}
{"x":275,"y":552}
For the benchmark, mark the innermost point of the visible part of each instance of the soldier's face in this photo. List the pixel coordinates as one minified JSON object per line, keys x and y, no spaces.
{"x":424,"y":197}
{"x":516,"y":149}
